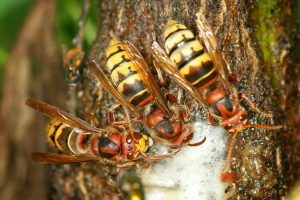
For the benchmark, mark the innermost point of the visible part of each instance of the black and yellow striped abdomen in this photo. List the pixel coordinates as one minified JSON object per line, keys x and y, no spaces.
{"x":125,"y":76}
{"x":67,"y":139}
{"x":54,"y":133}
{"x":190,"y":57}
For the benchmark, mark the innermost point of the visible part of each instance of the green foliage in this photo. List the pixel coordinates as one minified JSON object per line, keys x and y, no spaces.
{"x":13,"y":13}
{"x":68,"y":14}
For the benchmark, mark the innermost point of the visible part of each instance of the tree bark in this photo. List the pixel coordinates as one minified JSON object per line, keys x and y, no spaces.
{"x":255,"y":39}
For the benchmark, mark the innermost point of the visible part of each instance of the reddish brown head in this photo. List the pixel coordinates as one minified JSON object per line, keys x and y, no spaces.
{"x":128,"y":147}
{"x":131,"y":148}
{"x":236,"y":123}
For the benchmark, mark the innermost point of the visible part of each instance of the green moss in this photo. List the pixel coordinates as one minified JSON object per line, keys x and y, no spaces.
{"x":14,"y":12}
{"x":267,"y":16}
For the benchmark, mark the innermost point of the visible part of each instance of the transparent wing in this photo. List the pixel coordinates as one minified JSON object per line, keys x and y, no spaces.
{"x":207,"y":37}
{"x":53,"y":158}
{"x":61,"y":115}
{"x":110,"y":88}
{"x":146,"y":75}
{"x":169,"y":67}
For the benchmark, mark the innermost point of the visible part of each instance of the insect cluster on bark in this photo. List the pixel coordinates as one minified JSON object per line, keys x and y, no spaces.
{"x":145,"y":114}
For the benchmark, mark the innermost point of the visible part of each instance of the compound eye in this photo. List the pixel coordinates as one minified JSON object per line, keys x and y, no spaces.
{"x":243,"y":118}
{"x":228,"y":127}
{"x":130,"y":155}
{"x":128,"y":140}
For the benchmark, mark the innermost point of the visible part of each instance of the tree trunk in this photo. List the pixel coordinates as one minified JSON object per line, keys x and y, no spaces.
{"x":255,"y":39}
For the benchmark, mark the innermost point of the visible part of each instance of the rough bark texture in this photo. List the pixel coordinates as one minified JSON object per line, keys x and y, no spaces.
{"x":141,"y":22}
{"x":260,"y":170}
{"x":266,"y":163}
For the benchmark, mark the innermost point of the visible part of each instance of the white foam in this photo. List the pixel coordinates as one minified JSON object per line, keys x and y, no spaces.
{"x":194,"y":173}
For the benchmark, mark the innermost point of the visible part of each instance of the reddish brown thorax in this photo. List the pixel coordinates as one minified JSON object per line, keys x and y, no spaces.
{"x":109,"y":146}
{"x":220,"y":104}
{"x":163,"y":125}
{"x":216,"y":95}
{"x":155,"y":117}
{"x":166,"y":128}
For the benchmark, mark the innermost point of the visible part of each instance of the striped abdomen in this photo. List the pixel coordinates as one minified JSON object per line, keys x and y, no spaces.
{"x":125,"y":76}
{"x":191,"y":60}
{"x":65,"y":138}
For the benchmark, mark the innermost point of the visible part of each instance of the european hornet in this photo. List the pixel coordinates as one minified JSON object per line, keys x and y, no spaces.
{"x":134,"y":87}
{"x":72,"y":61}
{"x":82,"y":142}
{"x":73,"y":57}
{"x":196,"y":64}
